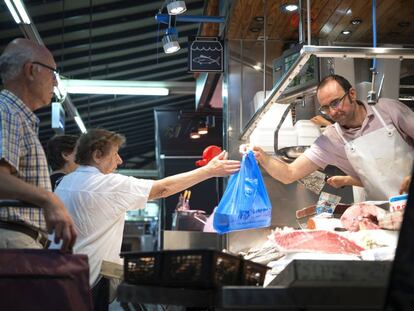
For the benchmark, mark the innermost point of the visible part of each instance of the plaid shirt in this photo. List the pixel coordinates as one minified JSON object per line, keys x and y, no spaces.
{"x":20,"y":147}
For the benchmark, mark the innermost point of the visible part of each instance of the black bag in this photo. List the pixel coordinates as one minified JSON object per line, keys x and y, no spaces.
{"x":41,"y":279}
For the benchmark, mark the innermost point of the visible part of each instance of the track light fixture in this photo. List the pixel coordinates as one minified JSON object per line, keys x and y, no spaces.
{"x":170,"y":39}
{"x":202,"y":128}
{"x":176,"y":7}
{"x":194,"y":134}
{"x":289,"y":7}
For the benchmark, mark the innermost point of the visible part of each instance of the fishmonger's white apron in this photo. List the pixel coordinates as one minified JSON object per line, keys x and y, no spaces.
{"x":380,"y":158}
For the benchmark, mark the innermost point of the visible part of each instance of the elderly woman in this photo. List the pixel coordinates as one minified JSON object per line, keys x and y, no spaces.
{"x":97,"y":198}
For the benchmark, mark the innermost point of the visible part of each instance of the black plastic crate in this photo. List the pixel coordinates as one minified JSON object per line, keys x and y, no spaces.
{"x":200,"y":268}
{"x":252,"y":273}
{"x":143,"y":268}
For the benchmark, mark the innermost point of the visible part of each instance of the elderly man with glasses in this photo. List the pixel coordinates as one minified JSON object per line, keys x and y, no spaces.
{"x":374,"y":145}
{"x":28,"y":72}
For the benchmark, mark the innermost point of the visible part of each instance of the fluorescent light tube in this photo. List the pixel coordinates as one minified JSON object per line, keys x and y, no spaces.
{"x":119,"y":90}
{"x":80,"y":124}
{"x":13,"y":11}
{"x":22,"y":11}
{"x":113,"y":87}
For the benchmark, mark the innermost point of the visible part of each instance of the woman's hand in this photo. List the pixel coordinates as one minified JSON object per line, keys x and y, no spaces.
{"x":219,"y":166}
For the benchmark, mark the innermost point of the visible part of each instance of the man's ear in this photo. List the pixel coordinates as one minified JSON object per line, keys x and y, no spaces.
{"x":97,"y":156}
{"x":352,"y":93}
{"x":28,"y":71}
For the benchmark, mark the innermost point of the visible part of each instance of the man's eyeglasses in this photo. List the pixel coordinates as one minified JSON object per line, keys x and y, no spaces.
{"x":332,"y":105}
{"x":55,"y":71}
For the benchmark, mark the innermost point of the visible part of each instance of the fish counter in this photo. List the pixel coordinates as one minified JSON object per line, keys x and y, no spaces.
{"x":309,"y":269}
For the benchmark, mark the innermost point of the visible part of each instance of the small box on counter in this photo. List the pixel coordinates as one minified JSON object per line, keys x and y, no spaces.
{"x":398,"y":202}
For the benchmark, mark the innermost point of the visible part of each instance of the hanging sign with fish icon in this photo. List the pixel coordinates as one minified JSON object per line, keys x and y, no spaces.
{"x":206,"y":55}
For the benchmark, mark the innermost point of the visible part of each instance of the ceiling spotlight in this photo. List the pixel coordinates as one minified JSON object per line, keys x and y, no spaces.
{"x":175,"y":7}
{"x":254,"y":29}
{"x":202,"y":128}
{"x":356,"y":21}
{"x":289,"y":7}
{"x":170,"y":41}
{"x":257,"y":66}
{"x":346,"y":32}
{"x":194,"y":134}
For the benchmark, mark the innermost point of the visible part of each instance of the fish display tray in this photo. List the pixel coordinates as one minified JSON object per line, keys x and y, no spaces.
{"x":191,"y":268}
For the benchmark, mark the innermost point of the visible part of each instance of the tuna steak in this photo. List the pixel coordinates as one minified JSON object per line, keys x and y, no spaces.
{"x":318,"y":241}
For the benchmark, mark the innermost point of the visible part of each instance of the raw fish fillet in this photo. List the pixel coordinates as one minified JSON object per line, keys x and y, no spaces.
{"x":318,"y":241}
{"x":362,"y":216}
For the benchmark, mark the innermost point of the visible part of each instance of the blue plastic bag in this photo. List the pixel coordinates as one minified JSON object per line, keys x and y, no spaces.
{"x":245,"y":203}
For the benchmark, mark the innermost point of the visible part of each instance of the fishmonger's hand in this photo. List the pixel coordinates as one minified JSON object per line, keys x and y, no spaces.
{"x":405,"y":185}
{"x":341,"y":181}
{"x":260,"y":155}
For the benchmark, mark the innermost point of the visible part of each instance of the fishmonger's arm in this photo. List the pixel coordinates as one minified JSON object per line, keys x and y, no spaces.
{"x":283,"y":172}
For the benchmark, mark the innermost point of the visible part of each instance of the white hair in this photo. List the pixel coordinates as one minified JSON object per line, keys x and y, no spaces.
{"x":12,"y":61}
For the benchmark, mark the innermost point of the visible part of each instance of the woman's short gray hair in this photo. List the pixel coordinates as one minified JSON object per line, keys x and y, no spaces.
{"x":11,"y":63}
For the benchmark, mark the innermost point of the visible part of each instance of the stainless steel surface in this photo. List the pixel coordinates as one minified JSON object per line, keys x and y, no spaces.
{"x":390,"y":69}
{"x":359,"y":52}
{"x":302,"y":298}
{"x":275,"y":93}
{"x":192,"y":240}
{"x":321,"y":51}
{"x":140,"y":235}
{"x":258,"y":298}
{"x":301,"y":29}
{"x":289,"y":154}
{"x":135,"y":294}
{"x":285,"y":199}
{"x":331,"y":272}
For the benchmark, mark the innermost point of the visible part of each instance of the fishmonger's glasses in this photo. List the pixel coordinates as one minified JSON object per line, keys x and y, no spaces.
{"x":332,"y":105}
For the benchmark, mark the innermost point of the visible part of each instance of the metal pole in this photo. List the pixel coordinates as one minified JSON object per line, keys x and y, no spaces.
{"x":264,"y":49}
{"x":241,"y":90}
{"x":301,"y":39}
{"x":308,"y":10}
